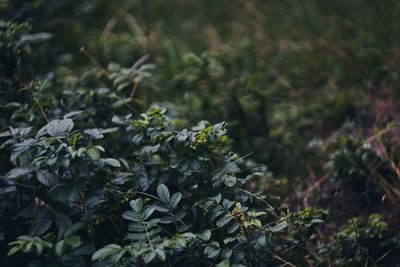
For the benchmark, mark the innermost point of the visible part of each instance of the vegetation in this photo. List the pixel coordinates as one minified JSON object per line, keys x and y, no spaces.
{"x":199,"y":133}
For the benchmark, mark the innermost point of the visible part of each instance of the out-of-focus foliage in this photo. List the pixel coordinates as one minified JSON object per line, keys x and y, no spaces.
{"x":192,"y":133}
{"x":362,"y":239}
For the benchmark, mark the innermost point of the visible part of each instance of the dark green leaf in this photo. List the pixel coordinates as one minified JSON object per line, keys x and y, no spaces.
{"x":175,"y":199}
{"x":46,"y":178}
{"x":106,"y":251}
{"x":163,"y":193}
{"x":59,"y":127}
{"x":136,"y":205}
{"x":223,"y":220}
{"x":279,"y":227}
{"x":112,"y":162}
{"x":93,"y":152}
{"x":18,"y":172}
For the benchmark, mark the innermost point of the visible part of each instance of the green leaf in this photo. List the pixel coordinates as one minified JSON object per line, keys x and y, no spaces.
{"x":223,"y":220}
{"x":233,"y":228}
{"x":212,"y":250}
{"x":95,"y":133}
{"x":224,"y":263}
{"x":93,"y":152}
{"x":106,"y":251}
{"x":136,"y":227}
{"x":148,"y":257}
{"x":18,"y":172}
{"x":229,"y":180}
{"x":160,"y":207}
{"x":20,"y":148}
{"x":205,"y":236}
{"x":46,"y":178}
{"x":58,"y":128}
{"x":39,"y":248}
{"x":120,"y":254}
{"x":60,"y":248}
{"x":161,"y":254}
{"x":73,"y":241}
{"x":279,"y":227}
{"x":63,"y":193}
{"x":167,"y":219}
{"x":72,"y":114}
{"x":74,"y":228}
{"x":163,"y":193}
{"x":136,"y":237}
{"x":136,"y":205}
{"x":42,"y":226}
{"x":13,"y":250}
{"x":175,"y":199}
{"x":112,"y":162}
{"x":131,"y":216}
{"x":147,"y":212}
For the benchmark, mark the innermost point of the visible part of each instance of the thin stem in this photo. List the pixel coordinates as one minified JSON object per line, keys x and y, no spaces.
{"x":272,"y":210}
{"x":147,"y":235}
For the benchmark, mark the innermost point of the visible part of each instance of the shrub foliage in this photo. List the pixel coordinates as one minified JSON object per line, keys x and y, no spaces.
{"x":146,"y":162}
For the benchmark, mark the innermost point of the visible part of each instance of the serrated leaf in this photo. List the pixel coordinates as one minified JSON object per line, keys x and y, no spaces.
{"x":59,"y":127}
{"x":20,"y":148}
{"x":95,"y":133}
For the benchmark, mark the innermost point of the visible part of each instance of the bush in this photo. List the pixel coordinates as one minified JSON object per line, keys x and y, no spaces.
{"x":108,"y":163}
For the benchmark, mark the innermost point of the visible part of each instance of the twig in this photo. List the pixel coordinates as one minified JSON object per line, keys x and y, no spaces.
{"x":136,"y":30}
{"x":93,"y":59}
{"x":275,"y":256}
{"x":113,"y":21}
{"x":271,"y":209}
{"x":314,"y":186}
